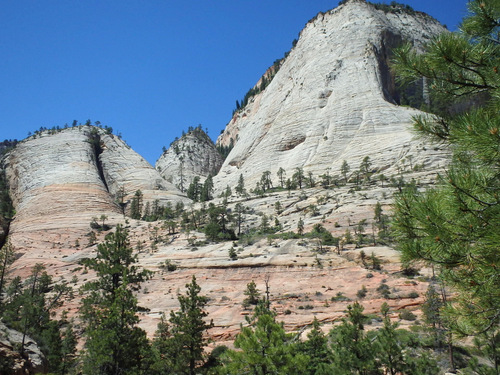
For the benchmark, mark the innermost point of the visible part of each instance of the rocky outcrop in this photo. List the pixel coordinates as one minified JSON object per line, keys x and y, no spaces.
{"x":59,"y":182}
{"x":333,"y":99}
{"x":54,"y":180}
{"x":194,"y":154}
{"x":125,"y":171}
{"x":33,"y":362}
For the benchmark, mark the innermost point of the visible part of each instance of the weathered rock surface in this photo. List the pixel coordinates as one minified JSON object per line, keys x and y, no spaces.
{"x":194,"y":154}
{"x":34,"y":361}
{"x":59,"y":182}
{"x":126,"y":170}
{"x":54,"y":181}
{"x":333,"y":99}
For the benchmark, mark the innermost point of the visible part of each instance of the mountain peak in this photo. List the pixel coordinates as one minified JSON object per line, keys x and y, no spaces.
{"x":334,"y":98}
{"x":194,"y":154}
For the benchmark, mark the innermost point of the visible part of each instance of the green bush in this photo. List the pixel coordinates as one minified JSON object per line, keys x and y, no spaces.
{"x":407,"y":315}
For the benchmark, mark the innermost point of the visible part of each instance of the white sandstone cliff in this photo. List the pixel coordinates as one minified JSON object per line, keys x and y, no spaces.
{"x":194,"y":154}
{"x":331,"y":100}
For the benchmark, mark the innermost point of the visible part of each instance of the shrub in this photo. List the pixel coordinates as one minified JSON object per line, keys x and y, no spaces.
{"x":168,"y":265}
{"x":361,"y":293}
{"x":407,"y":315}
{"x":232,"y":253}
{"x":383,"y":289}
{"x":340,"y":297}
{"x":413,"y":295}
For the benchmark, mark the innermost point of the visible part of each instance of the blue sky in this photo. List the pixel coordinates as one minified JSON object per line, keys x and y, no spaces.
{"x":147,"y":68}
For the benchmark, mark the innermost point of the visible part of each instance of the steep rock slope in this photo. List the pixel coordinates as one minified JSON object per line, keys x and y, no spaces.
{"x":194,"y":154}
{"x":333,"y":99}
{"x":55,"y":179}
{"x":59,"y":182}
{"x":126,"y":171}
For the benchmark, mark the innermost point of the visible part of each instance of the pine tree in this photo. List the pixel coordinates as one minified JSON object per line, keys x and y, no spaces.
{"x":431,"y":309}
{"x":352,"y":350}
{"x":182,"y":342}
{"x":217,"y":227}
{"x":454,"y":226}
{"x":207,"y":189}
{"x":6,"y":258}
{"x":316,"y":348}
{"x":114,"y":342}
{"x":265,"y":181}
{"x":298,"y":177}
{"x":239,"y":211}
{"x":365,"y":168}
{"x":344,"y":169}
{"x":136,"y":205}
{"x":29,"y":308}
{"x":240,"y":188}
{"x":68,"y":349}
{"x":389,"y":349}
{"x":398,"y":351}
{"x":300,"y":227}
{"x":264,"y":348}
{"x":378,"y":213}
{"x":310,"y":179}
{"x":252,"y":293}
{"x":193,"y":191}
{"x":281,"y":175}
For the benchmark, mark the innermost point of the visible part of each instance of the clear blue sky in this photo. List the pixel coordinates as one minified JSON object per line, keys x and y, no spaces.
{"x":147,"y":68}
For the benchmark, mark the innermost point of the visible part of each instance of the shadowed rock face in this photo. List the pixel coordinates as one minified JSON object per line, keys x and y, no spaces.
{"x":194,"y":154}
{"x":333,"y":99}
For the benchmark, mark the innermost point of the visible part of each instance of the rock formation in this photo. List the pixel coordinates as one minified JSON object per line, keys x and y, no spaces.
{"x":32,"y":363}
{"x":194,"y":154}
{"x":333,"y":99}
{"x":59,"y":182}
{"x":126,"y":171}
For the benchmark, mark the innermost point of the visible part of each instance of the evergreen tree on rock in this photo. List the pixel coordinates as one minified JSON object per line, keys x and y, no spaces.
{"x":264,"y":348}
{"x":114,"y":342}
{"x":181,"y":343}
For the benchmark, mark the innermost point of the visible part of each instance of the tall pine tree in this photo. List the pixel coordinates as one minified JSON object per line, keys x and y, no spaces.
{"x":454,"y":226}
{"x":264,"y":348}
{"x":180,"y":343}
{"x":114,"y":342}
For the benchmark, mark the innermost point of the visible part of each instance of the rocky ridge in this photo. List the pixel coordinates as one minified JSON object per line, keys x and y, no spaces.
{"x":59,"y":182}
{"x":193,"y":155}
{"x":333,"y":99}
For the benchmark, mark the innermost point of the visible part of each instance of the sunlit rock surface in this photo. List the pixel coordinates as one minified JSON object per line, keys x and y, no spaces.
{"x":333,"y":99}
{"x":194,"y":154}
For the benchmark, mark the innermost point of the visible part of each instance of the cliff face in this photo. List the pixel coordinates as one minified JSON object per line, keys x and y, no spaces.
{"x":55,"y":179}
{"x":63,"y":180}
{"x":194,"y":154}
{"x":333,"y":99}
